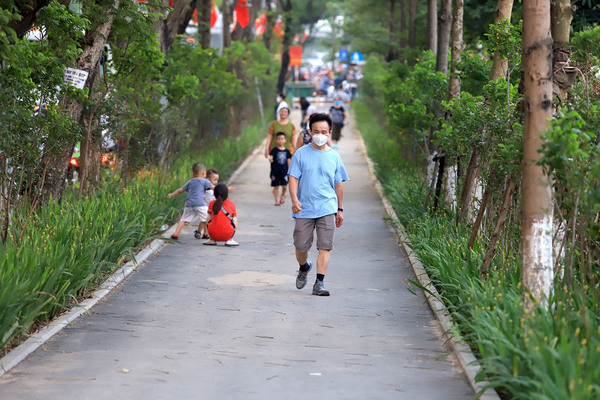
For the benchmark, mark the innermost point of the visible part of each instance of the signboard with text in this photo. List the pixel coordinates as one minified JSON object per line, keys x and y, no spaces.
{"x":76,"y":77}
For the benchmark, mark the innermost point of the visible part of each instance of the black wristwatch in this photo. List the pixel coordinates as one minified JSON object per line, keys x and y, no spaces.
{"x":340,"y":209}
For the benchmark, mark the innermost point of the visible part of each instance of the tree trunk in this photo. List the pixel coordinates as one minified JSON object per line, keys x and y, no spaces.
{"x":454,"y":92}
{"x":174,"y":23}
{"x":432,"y":25}
{"x":468,"y":188}
{"x":489,"y":254}
{"x":564,"y":75}
{"x":56,"y":161}
{"x":499,"y":69}
{"x":403,"y":27}
{"x":432,"y":182}
{"x":500,"y":64}
{"x":458,"y":46}
{"x":444,"y":27}
{"x":477,"y":224}
{"x":412,"y":25}
{"x":287,"y":40}
{"x":269,"y":28}
{"x":227,"y":13}
{"x":204,"y":10}
{"x":537,"y":206}
{"x":392,"y":34}
{"x":440,"y":180}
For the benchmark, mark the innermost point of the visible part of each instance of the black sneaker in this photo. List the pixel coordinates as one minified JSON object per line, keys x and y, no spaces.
{"x":204,"y":237}
{"x":319,"y":289}
{"x":301,"y":278}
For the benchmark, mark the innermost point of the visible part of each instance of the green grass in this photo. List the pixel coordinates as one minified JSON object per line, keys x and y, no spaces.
{"x":68,"y":250}
{"x":546,"y":354}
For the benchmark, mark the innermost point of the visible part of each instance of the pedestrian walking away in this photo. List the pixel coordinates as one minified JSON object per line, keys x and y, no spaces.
{"x":338,"y":116}
{"x":194,"y":202}
{"x":280,"y":158}
{"x":222,"y":218}
{"x":316,"y":177}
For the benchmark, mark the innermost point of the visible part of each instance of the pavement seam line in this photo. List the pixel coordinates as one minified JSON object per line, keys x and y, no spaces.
{"x":462,"y":352}
{"x":19,"y":353}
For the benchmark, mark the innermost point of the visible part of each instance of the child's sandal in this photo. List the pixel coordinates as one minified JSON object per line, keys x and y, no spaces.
{"x":197,"y":235}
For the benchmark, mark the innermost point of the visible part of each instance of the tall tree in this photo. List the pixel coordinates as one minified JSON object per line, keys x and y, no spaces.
{"x":227,"y":14}
{"x":500,"y":64}
{"x":432,"y":25}
{"x":537,"y":205}
{"x":56,"y":162}
{"x":562,"y":15}
{"x":174,"y":22}
{"x":412,"y":24}
{"x":392,"y":49}
{"x":458,"y":46}
{"x":499,"y":69}
{"x":204,"y":11}
{"x":444,"y":27}
{"x":287,"y":40}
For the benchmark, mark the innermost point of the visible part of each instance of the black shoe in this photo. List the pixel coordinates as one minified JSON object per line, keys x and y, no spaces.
{"x":204,"y":237}
{"x":301,"y":278}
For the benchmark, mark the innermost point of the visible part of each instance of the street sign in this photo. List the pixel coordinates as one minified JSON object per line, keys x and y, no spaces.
{"x":357,"y":58}
{"x":343,"y":55}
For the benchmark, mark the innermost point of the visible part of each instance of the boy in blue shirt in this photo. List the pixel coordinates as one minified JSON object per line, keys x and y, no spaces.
{"x":316,"y":175}
{"x":194,"y":202}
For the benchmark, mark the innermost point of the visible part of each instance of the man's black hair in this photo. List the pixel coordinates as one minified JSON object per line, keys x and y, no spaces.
{"x":318,"y":117}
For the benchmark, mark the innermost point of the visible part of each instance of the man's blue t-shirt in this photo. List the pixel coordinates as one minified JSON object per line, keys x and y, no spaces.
{"x":195,"y":189}
{"x":317,"y":172}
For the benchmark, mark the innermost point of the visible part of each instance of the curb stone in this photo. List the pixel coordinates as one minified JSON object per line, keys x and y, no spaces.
{"x":19,"y":353}
{"x":465,"y":357}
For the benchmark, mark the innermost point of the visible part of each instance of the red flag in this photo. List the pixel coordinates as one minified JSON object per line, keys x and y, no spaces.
{"x":195,"y":16}
{"x":241,"y":11}
{"x":260,"y":25}
{"x":213,"y":14}
{"x":278,"y":29}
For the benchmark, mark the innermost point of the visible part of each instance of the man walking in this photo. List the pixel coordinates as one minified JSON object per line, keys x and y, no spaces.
{"x":315,"y":184}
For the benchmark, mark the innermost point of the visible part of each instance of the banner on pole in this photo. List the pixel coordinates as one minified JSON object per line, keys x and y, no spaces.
{"x":295,"y":56}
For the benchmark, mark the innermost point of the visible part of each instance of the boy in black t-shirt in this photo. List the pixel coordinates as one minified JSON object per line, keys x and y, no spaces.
{"x":280,"y":158}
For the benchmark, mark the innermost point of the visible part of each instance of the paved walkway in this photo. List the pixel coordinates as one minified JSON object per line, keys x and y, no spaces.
{"x":204,"y":322}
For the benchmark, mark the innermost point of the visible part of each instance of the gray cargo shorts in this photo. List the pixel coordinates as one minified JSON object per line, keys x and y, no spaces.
{"x":303,"y":233}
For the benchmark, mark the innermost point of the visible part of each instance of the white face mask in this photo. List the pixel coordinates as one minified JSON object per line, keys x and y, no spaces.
{"x":319,"y":139}
{"x":279,"y":99}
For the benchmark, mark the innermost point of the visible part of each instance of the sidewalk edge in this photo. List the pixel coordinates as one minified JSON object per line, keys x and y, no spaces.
{"x":462,"y":352}
{"x":19,"y":353}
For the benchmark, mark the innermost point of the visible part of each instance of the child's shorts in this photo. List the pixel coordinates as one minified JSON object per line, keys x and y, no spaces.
{"x":189,"y":213}
{"x":279,"y":180}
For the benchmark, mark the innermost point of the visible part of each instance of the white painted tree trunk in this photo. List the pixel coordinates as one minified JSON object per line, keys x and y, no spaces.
{"x":475,"y":202}
{"x":429,"y":170}
{"x":450,"y":172}
{"x":559,"y":249}
{"x":537,"y":206}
